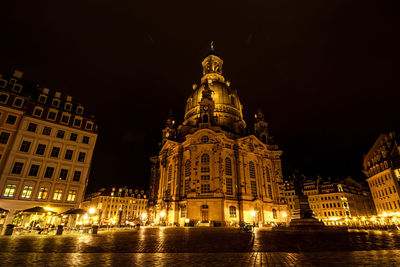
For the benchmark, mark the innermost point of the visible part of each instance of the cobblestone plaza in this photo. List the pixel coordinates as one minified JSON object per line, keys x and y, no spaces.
{"x":203,"y":247}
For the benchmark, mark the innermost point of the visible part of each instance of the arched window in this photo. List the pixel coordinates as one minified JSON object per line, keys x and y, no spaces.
{"x":187,"y":168}
{"x":228,"y":167}
{"x":252,"y":170}
{"x":170,"y":173}
{"x":232,"y":212}
{"x":232,"y":100}
{"x":268,"y":174}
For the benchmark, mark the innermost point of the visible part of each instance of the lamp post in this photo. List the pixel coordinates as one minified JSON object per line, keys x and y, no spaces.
{"x":162,"y":215}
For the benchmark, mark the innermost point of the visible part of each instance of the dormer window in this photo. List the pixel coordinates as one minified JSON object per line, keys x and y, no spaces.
{"x":3,"y":98}
{"x":79,"y":110}
{"x":56,"y":103}
{"x":42,"y":99}
{"x":18,"y":102}
{"x":89,"y":126}
{"x":68,"y":106}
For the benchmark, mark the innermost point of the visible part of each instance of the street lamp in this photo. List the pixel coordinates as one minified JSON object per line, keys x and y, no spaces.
{"x":92,"y":210}
{"x":144,"y":216}
{"x":162,"y":214}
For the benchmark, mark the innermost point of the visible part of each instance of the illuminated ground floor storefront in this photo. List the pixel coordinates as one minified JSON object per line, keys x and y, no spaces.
{"x":218,"y":212}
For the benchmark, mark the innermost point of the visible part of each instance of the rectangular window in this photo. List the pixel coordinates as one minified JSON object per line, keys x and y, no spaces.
{"x":60,"y":134}
{"x":270,"y":191}
{"x":85,"y":140}
{"x":49,"y":172}
{"x":57,"y":194}
{"x":55,"y":152}
{"x":77,"y":176}
{"x":43,"y":192}
{"x":254,"y":188}
{"x":71,"y":195}
{"x":187,"y":186}
{"x":18,"y":102}
{"x":46,"y":131}
{"x":229,"y":188}
{"x":63,"y":174}
{"x":11,"y":119}
{"x":89,"y":126}
{"x":52,"y":115}
{"x":25,"y":146}
{"x":17,"y":169}
{"x":32,"y":127}
{"x":73,"y":137}
{"x":4,"y":137}
{"x":183,"y":212}
{"x":10,"y":190}
{"x":40,"y":149}
{"x":26,"y":193}
{"x":81,"y":157}
{"x":77,"y":122}
{"x":38,"y":112}
{"x":3,"y":98}
{"x":65,"y":119}
{"x":68,"y":154}
{"x":34,"y":170}
{"x":205,"y":188}
{"x":205,"y":177}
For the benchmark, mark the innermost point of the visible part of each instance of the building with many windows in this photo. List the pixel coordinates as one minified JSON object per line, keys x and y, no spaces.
{"x":46,"y":147}
{"x":334,"y":201}
{"x":382,"y":169}
{"x":118,"y":205}
{"x":210,"y":171}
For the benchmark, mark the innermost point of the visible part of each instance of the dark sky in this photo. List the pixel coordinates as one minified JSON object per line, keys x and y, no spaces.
{"x":325,"y":73}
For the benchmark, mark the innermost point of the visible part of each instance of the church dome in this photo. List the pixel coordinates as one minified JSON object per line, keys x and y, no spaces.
{"x":228,"y":110}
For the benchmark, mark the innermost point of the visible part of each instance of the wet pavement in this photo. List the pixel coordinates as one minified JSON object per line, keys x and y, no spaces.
{"x":202,"y":247}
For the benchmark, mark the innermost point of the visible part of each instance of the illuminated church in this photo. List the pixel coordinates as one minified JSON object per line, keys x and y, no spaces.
{"x":209,"y":170}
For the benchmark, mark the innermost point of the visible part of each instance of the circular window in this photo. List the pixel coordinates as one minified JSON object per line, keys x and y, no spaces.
{"x":204,"y":139}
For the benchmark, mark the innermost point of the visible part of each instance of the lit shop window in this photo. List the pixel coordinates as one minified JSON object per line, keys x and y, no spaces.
{"x":10,"y":190}
{"x":26,"y":193}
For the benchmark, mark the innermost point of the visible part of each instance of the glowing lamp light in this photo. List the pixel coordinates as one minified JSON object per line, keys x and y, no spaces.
{"x":354,"y":219}
{"x":363,"y":218}
{"x":384,"y":214}
{"x":92,"y":210}
{"x":162,"y":214}
{"x":144,"y":216}
{"x":284,"y":214}
{"x":187,"y":220}
{"x":253,"y":213}
{"x":373,"y":219}
{"x":48,"y":208}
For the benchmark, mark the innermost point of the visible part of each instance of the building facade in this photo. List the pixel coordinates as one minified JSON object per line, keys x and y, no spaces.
{"x":210,"y":171}
{"x":333,"y":201}
{"x":120,"y":206}
{"x":382,"y":169}
{"x":46,"y":147}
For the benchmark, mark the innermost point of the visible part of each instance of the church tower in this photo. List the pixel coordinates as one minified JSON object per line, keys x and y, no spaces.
{"x":208,"y":170}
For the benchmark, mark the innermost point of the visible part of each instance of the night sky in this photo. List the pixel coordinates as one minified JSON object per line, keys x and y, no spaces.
{"x":325,"y":73}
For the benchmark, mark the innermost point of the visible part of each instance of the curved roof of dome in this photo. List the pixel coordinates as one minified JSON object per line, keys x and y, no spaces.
{"x":222,"y":94}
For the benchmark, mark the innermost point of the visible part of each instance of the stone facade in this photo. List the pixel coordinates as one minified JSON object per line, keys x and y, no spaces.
{"x":209,"y":171}
{"x":46,"y":147}
{"x":333,"y":201}
{"x":118,"y":205}
{"x":382,"y":168}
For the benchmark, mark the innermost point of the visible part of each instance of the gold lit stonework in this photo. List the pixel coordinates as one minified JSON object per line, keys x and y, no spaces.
{"x":211,"y":172}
